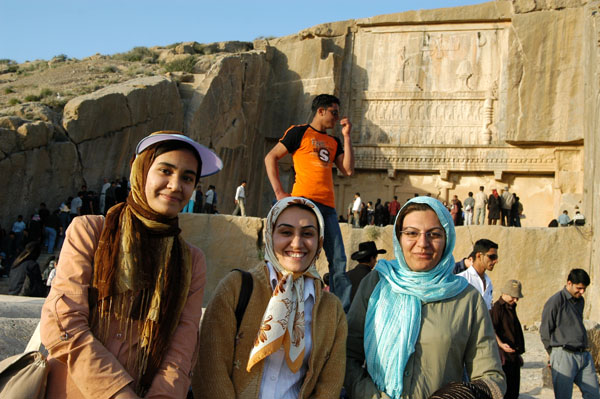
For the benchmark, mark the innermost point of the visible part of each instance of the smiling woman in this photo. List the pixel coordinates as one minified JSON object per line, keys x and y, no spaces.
{"x":292,"y":337}
{"x":414,"y":328}
{"x":121,"y":319}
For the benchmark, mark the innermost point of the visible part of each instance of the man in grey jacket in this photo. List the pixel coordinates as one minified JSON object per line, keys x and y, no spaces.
{"x":565,"y":339}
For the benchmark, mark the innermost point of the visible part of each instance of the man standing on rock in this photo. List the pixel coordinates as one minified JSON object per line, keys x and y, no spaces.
{"x":509,"y":335}
{"x":485,"y":258}
{"x":565,"y":339}
{"x":240,"y":200}
{"x":313,"y":153}
{"x":506,"y":201}
{"x":480,"y":202}
{"x":211,"y":200}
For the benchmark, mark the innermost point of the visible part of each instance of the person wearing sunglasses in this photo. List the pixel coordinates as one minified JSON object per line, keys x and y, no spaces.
{"x":486,"y":257}
{"x":415,"y":328}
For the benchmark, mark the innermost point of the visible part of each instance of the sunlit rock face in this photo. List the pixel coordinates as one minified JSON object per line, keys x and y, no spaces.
{"x":501,"y":94}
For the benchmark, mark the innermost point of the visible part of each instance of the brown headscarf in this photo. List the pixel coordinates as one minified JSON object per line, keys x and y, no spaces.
{"x":142,"y":274}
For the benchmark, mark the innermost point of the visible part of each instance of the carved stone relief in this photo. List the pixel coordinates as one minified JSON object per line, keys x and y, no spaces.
{"x":427,"y":85}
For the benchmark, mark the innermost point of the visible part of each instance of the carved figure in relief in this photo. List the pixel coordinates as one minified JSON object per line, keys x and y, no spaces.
{"x":464,"y":73}
{"x":488,"y":115}
{"x":481,"y":39}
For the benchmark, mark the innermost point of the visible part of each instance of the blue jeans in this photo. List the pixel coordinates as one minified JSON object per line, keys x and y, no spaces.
{"x":570,"y":368}
{"x":333,"y":244}
{"x":51,"y":238}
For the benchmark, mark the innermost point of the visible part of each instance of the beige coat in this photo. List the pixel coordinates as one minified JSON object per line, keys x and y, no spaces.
{"x":223,"y":356}
{"x":453,"y":332}
{"x":80,"y":365}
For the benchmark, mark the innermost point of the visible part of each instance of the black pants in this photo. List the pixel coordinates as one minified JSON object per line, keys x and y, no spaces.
{"x":513,"y":379}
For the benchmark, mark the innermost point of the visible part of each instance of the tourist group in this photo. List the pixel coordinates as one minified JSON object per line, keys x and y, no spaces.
{"x":122,"y":317}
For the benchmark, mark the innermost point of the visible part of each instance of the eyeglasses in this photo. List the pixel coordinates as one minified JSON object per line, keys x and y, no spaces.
{"x":334,"y":112}
{"x":413,"y":235}
{"x":492,"y":256}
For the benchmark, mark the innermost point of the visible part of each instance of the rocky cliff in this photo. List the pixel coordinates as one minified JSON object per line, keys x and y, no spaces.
{"x":504,"y":93}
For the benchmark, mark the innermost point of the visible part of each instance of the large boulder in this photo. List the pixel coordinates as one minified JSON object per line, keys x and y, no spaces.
{"x":107,"y":124}
{"x":143,"y":103}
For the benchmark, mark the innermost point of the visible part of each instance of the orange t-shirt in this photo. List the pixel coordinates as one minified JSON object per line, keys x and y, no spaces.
{"x":313,"y":153}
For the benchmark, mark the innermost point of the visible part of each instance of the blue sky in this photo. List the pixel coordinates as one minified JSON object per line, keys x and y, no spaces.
{"x":35,"y":29}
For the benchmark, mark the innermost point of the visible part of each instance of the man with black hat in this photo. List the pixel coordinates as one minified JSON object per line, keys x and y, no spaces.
{"x":509,"y":335}
{"x":367,"y":258}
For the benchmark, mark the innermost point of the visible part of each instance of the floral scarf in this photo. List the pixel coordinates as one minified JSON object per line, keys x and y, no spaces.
{"x":393,"y":318}
{"x":283,"y":320}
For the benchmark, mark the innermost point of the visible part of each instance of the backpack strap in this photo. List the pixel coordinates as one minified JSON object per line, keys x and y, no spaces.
{"x":245,"y":293}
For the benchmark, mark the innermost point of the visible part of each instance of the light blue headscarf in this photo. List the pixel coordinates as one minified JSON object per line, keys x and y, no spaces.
{"x":393,"y":319}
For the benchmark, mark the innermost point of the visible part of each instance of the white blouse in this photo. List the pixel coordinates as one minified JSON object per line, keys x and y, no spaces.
{"x":278,"y":381}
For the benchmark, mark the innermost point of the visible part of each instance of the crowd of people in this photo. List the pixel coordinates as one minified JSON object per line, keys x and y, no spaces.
{"x":122,"y":316}
{"x":504,"y":207}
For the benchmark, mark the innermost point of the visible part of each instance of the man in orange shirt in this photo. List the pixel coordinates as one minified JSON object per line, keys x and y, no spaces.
{"x":314,"y":152}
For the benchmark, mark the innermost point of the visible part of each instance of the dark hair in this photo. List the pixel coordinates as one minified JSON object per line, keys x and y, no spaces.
{"x":366,"y":259}
{"x":395,"y":197}
{"x":470,"y":193}
{"x":484,"y":245}
{"x":480,"y":188}
{"x":579,"y":276}
{"x":323,"y":101}
{"x":357,"y":194}
{"x":243,"y":181}
{"x":173,"y":145}
{"x":412,"y":207}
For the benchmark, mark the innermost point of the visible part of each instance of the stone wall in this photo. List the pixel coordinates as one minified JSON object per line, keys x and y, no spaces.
{"x":498,"y":94}
{"x":526,"y":254}
{"x":591,"y":127}
{"x":95,"y":138}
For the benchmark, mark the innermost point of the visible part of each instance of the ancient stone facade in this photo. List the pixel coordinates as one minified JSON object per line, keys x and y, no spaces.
{"x":504,"y":93}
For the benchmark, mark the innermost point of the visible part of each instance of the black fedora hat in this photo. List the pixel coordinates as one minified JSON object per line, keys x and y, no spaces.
{"x":367,"y":249}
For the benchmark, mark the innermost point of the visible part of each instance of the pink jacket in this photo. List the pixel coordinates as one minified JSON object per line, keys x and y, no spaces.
{"x":80,"y":365}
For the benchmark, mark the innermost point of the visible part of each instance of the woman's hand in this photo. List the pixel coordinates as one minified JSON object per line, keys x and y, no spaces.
{"x":506,"y":348}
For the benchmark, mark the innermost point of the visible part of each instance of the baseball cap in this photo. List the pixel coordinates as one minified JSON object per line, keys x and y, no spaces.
{"x":211,"y":163}
{"x":512,"y":288}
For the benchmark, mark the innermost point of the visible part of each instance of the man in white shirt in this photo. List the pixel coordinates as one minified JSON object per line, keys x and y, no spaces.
{"x":103,"y":190}
{"x":240,"y":199}
{"x":480,"y":202}
{"x":485,"y":258}
{"x":356,"y":209}
{"x":211,"y":200}
{"x":76,"y":205}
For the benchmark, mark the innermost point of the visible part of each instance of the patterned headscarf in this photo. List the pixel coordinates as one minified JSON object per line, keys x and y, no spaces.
{"x":142,"y":274}
{"x":283,"y":320}
{"x":393,"y":318}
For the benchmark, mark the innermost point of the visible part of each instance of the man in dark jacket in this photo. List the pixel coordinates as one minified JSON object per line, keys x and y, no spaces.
{"x":509,"y":335}
{"x":367,"y":258}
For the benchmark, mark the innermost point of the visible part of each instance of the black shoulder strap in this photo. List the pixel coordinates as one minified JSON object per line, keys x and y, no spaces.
{"x":245,"y":293}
